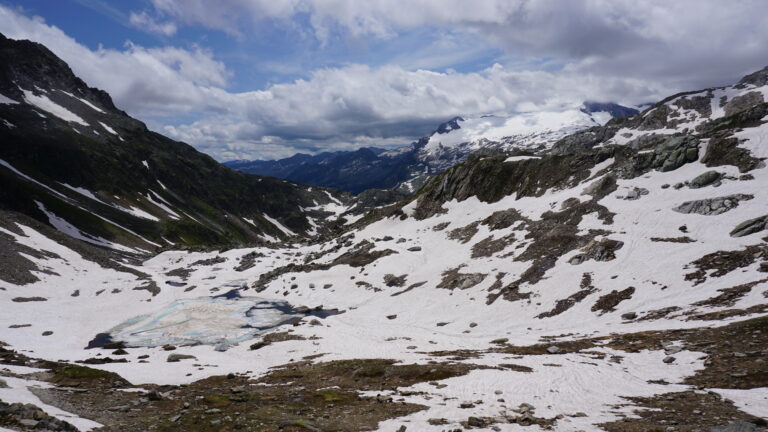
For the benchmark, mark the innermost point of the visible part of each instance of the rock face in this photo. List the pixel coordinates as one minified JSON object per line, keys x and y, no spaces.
{"x":90,"y":162}
{"x":712,"y":206}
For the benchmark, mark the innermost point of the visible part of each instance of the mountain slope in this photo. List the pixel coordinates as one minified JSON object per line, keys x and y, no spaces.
{"x":72,"y":159}
{"x":616,"y":282}
{"x":407,"y":168}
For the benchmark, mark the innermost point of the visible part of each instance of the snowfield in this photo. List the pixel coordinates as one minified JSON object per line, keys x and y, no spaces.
{"x":410,"y":321}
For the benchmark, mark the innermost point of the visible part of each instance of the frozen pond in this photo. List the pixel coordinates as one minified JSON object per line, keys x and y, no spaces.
{"x":222,"y":321}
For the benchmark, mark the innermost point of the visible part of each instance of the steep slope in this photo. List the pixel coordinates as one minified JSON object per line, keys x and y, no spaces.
{"x":407,"y":168}
{"x":599,"y":286}
{"x":70,"y":158}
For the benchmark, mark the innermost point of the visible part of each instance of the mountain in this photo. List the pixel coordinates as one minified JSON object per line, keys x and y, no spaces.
{"x":407,"y":168}
{"x":73,"y":160}
{"x":615,"y":280}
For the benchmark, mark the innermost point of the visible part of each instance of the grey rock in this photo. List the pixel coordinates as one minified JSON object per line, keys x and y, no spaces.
{"x":414,"y":248}
{"x":750,"y":226}
{"x":712,"y":206}
{"x":3,"y":384}
{"x":476,"y":422}
{"x":743,"y":102}
{"x":757,"y":79}
{"x":737,"y":426}
{"x":553,"y":349}
{"x":669,"y":359}
{"x":603,"y":250}
{"x":704,"y":179}
{"x":629,"y":316}
{"x":635,"y":193}
{"x":178,"y":357}
{"x":29,"y":423}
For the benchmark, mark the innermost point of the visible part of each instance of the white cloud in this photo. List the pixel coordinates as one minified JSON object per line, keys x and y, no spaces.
{"x":143,"y":21}
{"x":143,"y":81}
{"x":659,"y":39}
{"x":565,"y":52}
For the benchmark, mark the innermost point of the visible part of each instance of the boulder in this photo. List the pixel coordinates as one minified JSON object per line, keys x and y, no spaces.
{"x":178,"y":357}
{"x":750,"y":226}
{"x":704,"y":179}
{"x":712,"y":206}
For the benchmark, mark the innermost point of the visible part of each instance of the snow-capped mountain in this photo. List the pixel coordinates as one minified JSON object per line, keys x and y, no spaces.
{"x":617,"y":281}
{"x":406,"y":168}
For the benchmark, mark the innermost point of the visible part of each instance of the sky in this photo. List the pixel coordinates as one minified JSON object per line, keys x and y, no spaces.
{"x":265,"y":79}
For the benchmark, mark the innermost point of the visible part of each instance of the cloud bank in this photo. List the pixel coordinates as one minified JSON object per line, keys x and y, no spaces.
{"x":557,"y":54}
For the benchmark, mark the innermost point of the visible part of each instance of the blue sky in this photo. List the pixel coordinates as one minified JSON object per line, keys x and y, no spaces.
{"x":266,"y":79}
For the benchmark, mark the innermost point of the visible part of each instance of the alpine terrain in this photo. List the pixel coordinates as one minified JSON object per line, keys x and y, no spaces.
{"x":580,"y":271}
{"x":407,"y":168}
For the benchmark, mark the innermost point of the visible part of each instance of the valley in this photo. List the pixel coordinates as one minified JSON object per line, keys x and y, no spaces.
{"x":612,"y":278}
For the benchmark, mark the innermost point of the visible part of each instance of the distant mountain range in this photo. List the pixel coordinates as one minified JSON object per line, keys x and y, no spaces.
{"x":406,"y":168}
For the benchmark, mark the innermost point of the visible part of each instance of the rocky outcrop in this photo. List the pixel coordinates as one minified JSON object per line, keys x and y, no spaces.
{"x":750,"y":226}
{"x":603,"y":250}
{"x":712,"y":206}
{"x":743,"y":102}
{"x":583,"y":140}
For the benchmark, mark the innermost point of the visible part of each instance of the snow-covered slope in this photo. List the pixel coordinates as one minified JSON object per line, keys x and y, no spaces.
{"x":601,"y":286}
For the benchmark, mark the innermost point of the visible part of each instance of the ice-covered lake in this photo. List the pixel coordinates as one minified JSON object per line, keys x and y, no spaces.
{"x":222,"y":321}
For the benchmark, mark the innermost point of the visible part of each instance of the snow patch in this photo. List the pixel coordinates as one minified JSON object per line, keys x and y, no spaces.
{"x":48,"y":105}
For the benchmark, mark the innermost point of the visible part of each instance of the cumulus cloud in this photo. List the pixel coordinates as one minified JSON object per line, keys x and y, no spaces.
{"x":559,"y":54}
{"x":657,"y":39}
{"x":143,"y":21}
{"x":144,"y":81}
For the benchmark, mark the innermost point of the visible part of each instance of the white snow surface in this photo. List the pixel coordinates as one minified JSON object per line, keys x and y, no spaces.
{"x":7,"y":100}
{"x":45,"y":104}
{"x":520,"y":129}
{"x":559,"y":384}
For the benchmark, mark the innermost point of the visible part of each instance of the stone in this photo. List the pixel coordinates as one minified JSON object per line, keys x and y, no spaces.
{"x":553,"y":349}
{"x":635,"y":193}
{"x":500,"y":341}
{"x":47,"y":333}
{"x":737,"y":426}
{"x":391,"y":317}
{"x":712,"y":206}
{"x":169,"y":347}
{"x":476,"y":422}
{"x":750,"y":226}
{"x":178,"y":357}
{"x":3,"y":384}
{"x":704,"y":179}
{"x":629,"y":316}
{"x":414,"y":248}
{"x":669,"y":359}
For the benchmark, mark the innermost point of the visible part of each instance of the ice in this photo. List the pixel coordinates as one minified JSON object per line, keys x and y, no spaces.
{"x":205,"y":320}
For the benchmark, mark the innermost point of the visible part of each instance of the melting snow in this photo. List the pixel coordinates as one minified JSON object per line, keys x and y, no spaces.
{"x":7,"y":100}
{"x":48,"y":105}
